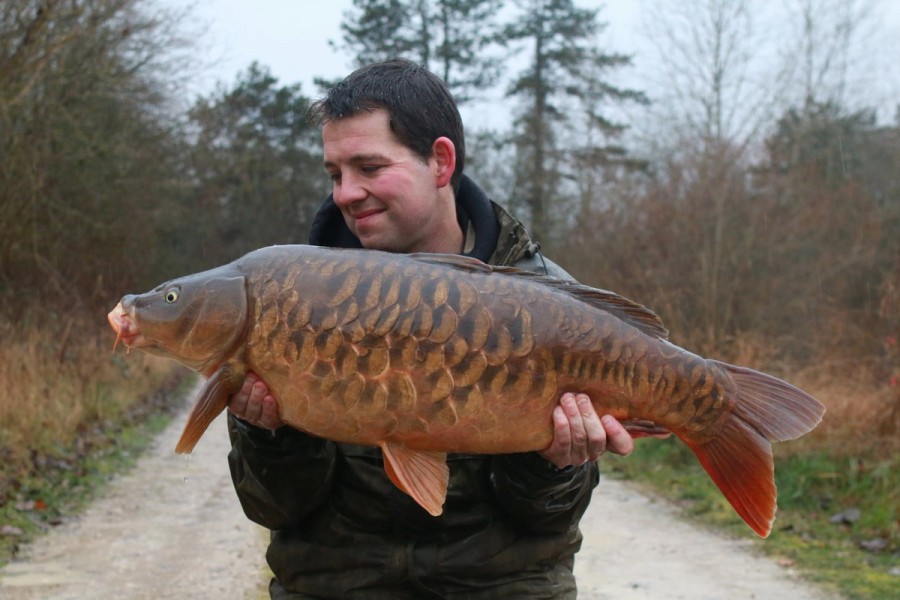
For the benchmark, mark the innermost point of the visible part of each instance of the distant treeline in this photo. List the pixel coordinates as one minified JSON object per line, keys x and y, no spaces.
{"x":789,"y":234}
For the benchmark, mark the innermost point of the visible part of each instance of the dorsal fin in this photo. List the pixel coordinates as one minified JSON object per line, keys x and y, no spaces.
{"x":636,"y":315}
{"x":458,"y":261}
{"x":631,"y":312}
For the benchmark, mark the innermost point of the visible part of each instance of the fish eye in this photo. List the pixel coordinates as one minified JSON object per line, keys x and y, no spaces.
{"x":172,"y":296}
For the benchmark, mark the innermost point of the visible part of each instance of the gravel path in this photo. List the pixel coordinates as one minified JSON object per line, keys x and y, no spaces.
{"x":637,"y":548}
{"x":172,"y":528}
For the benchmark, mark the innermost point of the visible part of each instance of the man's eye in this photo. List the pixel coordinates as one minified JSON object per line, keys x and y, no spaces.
{"x":371,"y":168}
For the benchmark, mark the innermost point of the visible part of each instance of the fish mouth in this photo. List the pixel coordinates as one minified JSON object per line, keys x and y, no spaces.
{"x":126,"y":328}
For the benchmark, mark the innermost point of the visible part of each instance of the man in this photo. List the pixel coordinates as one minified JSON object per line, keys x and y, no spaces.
{"x":394,"y":149}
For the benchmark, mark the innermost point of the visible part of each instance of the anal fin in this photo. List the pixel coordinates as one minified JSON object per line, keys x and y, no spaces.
{"x":422,"y":475}
{"x":639,"y":428}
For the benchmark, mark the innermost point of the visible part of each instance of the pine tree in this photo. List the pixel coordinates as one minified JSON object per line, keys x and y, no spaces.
{"x":257,"y":165}
{"x":565,"y":65}
{"x":450,"y":37}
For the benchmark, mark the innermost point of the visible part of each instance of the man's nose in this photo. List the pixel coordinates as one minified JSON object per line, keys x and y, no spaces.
{"x":348,"y":191}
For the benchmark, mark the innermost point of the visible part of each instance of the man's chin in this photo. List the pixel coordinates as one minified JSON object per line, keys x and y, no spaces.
{"x":381,"y":241}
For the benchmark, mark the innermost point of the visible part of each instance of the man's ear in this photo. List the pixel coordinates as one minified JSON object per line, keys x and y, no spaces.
{"x":443,"y":152}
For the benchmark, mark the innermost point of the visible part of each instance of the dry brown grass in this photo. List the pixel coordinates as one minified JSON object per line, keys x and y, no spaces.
{"x":857,"y":385}
{"x":862,"y":400}
{"x":863,"y":413}
{"x":61,"y":380}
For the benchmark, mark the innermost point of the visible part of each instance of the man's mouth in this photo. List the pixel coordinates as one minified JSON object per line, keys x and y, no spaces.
{"x":365,"y":214}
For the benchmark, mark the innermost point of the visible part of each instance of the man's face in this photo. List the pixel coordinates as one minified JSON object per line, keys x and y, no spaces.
{"x":390,"y":198}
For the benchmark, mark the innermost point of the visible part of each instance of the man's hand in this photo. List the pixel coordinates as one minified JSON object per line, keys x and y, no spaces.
{"x":253,"y":403}
{"x":579,"y":435}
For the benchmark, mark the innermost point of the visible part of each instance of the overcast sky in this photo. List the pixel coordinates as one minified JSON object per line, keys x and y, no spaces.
{"x":291,"y":37}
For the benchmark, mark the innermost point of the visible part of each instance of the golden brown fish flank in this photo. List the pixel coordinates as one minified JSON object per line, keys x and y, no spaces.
{"x":427,"y":354}
{"x":409,"y":322}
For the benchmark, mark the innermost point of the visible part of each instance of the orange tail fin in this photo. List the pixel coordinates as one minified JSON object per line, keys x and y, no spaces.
{"x":739,"y":459}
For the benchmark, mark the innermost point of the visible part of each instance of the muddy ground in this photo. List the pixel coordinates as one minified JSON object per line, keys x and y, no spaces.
{"x":172,"y":528}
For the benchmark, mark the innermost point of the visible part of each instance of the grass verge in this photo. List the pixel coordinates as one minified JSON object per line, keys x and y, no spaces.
{"x":860,"y":495}
{"x":62,"y":485}
{"x":72,"y":414}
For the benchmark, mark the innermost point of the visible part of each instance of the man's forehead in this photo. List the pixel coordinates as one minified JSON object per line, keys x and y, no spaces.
{"x":378,"y":119}
{"x":362,"y":137}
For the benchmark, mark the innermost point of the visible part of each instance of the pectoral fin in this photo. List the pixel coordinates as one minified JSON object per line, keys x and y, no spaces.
{"x":422,"y":475}
{"x":211,"y":401}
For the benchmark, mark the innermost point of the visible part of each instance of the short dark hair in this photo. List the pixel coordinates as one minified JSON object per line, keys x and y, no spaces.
{"x":419,"y":105}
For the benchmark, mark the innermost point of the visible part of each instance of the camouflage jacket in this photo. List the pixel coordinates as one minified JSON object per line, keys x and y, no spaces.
{"x":341,"y":529}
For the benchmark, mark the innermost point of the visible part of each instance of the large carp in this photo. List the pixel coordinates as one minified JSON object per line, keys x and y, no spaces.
{"x":426,"y":354}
